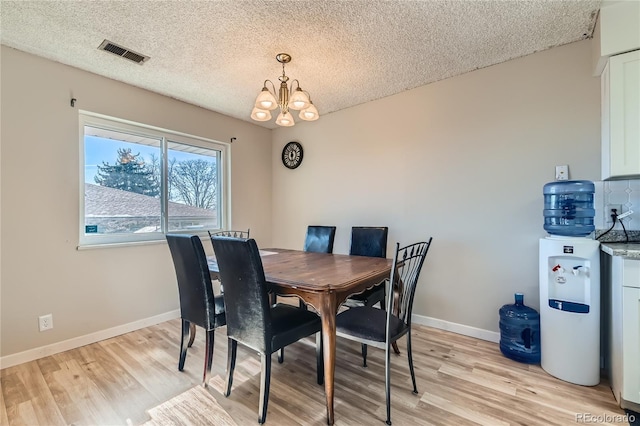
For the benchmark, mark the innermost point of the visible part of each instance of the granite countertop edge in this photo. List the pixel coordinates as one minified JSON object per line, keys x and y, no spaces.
{"x":613,"y":243}
{"x":628,"y":250}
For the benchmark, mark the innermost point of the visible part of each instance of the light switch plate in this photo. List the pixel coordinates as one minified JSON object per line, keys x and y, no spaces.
{"x":562,"y":172}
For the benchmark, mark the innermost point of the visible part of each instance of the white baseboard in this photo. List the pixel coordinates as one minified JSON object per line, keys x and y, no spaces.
{"x":76,"y":342}
{"x":478,"y":333}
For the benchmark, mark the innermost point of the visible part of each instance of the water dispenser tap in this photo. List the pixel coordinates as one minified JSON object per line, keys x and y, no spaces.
{"x":576,"y":270}
{"x":559,"y":269}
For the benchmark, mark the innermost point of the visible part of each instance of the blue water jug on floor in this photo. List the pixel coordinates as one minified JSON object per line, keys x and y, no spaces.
{"x":520,"y":332}
{"x":568,"y":208}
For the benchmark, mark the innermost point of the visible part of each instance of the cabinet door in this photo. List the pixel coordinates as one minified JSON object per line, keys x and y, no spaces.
{"x":631,"y":344}
{"x":614,"y":342}
{"x":622,"y":120}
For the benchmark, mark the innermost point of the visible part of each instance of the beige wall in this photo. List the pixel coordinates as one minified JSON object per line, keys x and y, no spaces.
{"x":463,"y":160}
{"x":41,"y":270}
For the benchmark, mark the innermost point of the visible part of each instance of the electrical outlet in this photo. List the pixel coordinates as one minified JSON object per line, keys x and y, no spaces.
{"x":618,"y":208}
{"x":610,"y":207}
{"x":45,"y":322}
{"x":562,"y":172}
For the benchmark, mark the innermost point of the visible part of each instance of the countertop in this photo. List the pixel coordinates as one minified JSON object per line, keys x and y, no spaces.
{"x":610,"y":243}
{"x":628,"y":250}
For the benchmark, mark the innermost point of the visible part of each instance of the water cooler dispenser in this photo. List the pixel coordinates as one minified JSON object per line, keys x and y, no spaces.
{"x":570,"y":284}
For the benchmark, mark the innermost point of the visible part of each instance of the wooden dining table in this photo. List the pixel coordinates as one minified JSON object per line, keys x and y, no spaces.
{"x":323,"y":281}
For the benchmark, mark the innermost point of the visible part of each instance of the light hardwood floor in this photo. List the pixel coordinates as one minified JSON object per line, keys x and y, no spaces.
{"x":462,"y":381}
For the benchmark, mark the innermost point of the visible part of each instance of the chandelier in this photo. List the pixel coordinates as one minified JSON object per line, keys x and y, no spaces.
{"x":287,"y":99}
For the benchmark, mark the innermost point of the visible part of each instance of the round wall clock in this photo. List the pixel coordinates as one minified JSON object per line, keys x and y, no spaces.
{"x":292,"y":155}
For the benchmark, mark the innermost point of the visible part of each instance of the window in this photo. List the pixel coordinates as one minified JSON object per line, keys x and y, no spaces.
{"x":140,"y":182}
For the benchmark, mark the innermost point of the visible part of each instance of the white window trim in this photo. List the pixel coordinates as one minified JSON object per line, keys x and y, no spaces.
{"x":119,"y":240}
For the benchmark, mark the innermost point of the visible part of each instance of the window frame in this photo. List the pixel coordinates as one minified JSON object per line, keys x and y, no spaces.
{"x":166,"y":137}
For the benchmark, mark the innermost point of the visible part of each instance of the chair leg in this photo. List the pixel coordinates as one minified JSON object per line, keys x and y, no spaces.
{"x":183,"y":347}
{"x":232,"y":347}
{"x":395,"y":348}
{"x":387,"y":380}
{"x":264,"y":387}
{"x":281,"y":356}
{"x":208,"y":356}
{"x":364,"y":355}
{"x":413,"y":375}
{"x":192,"y":335}
{"x":319,"y":359}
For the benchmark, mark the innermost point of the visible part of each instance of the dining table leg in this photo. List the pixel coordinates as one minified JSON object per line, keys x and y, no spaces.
{"x":328,"y":310}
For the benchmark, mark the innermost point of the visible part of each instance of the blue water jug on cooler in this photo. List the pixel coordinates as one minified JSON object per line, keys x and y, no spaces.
{"x":568,"y":208}
{"x":520,"y":332}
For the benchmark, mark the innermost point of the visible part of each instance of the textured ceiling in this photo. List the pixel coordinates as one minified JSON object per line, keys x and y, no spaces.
{"x":217,"y":54}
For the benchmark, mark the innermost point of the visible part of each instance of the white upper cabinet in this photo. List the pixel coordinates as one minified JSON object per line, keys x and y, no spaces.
{"x":616,"y":32}
{"x":621,"y":116}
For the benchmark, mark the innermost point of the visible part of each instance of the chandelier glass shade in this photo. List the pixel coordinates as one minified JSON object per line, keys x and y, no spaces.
{"x":286,"y":98}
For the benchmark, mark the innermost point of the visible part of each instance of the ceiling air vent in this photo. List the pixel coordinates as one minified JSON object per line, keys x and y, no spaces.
{"x":110,"y":47}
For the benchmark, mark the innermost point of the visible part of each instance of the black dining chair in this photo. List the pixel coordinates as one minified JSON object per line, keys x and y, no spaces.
{"x":368,"y":241}
{"x":319,"y":239}
{"x":225,"y":233}
{"x":252,"y":320}
{"x":229,"y":233}
{"x":198,"y":303}
{"x":379,"y":328}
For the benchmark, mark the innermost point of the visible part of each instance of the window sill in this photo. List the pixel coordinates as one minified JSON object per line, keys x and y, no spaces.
{"x":115,"y":245}
{"x":203,"y":237}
